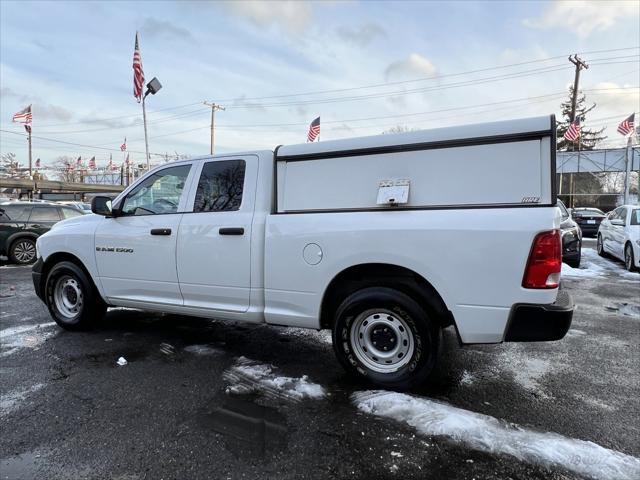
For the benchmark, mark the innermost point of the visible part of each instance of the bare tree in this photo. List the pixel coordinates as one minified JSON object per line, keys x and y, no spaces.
{"x":10,"y":167}
{"x":65,"y":167}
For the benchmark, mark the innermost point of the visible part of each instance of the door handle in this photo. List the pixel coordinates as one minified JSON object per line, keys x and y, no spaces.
{"x":160,"y":231}
{"x":231,"y":231}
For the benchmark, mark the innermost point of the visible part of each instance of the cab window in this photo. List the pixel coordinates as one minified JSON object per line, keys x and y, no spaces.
{"x":220,"y":186}
{"x":157,"y":194}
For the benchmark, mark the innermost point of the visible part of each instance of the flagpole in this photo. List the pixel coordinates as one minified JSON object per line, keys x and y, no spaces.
{"x":146,"y":138}
{"x":30,"y":164}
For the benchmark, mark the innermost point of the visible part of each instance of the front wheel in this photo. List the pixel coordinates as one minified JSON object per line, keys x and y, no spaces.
{"x":385,"y":336}
{"x":71,"y":297}
{"x":600,"y":246}
{"x":629,"y":260}
{"x":23,"y":251}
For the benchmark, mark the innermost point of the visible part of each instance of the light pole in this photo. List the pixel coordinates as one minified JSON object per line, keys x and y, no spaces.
{"x":152,"y":88}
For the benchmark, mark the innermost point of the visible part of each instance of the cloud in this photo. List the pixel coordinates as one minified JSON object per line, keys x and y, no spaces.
{"x":363,"y":35}
{"x":292,"y":16}
{"x":414,"y":66}
{"x":583,"y":17}
{"x":160,"y":28}
{"x":41,"y":110}
{"x":616,"y":98}
{"x":51,"y":112}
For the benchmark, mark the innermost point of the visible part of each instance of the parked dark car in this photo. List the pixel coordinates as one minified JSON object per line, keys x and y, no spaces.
{"x":21,"y":223}
{"x":588,"y":219}
{"x":571,"y":238}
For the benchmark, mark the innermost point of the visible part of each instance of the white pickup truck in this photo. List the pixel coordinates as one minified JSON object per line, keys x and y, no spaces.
{"x":385,"y":240}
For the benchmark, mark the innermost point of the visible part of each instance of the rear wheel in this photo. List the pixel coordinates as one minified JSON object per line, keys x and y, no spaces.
{"x":71,"y":297}
{"x":23,"y":251}
{"x":385,"y":336}
{"x":600,"y":246}
{"x":629,"y":260}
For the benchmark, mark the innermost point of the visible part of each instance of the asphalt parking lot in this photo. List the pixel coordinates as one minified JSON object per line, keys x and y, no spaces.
{"x":206,"y":399}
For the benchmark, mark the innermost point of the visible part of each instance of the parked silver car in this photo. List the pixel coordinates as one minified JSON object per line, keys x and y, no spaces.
{"x":619,"y":235}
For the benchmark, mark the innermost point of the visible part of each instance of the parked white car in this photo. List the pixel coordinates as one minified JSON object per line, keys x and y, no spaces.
{"x":619,"y":235}
{"x":368,"y":237}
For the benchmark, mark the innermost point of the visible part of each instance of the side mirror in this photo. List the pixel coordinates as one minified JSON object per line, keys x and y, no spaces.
{"x":101,"y":206}
{"x":617,"y":222}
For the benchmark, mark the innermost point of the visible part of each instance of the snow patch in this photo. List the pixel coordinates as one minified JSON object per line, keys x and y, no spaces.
{"x":30,"y":336}
{"x":528,"y":372}
{"x":593,"y":265}
{"x":247,"y":376}
{"x":203,"y":350}
{"x":10,"y":402}
{"x":320,"y":336}
{"x":488,"y":434}
{"x":467,"y":378}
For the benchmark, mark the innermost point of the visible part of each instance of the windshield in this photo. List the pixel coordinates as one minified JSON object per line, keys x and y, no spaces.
{"x":588,"y":211}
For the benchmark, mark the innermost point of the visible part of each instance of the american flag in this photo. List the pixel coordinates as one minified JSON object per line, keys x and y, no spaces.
{"x":23,"y":115}
{"x":627,"y":125}
{"x":123,"y":147}
{"x":79,"y":162}
{"x":314,"y":130}
{"x":573,"y":132}
{"x":138,"y":73}
{"x":92,"y":163}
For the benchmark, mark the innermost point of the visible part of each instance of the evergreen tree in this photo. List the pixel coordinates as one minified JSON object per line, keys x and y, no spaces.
{"x":588,"y":138}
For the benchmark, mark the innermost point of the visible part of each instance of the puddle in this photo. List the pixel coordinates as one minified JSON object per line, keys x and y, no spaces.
{"x":20,"y":467}
{"x":625,"y":309}
{"x":249,"y":430}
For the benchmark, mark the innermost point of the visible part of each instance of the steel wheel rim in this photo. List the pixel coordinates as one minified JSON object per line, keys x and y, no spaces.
{"x":381,"y":340}
{"x":68,"y":297}
{"x":24,"y":251}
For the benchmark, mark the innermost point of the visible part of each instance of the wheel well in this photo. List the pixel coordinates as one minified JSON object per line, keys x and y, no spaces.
{"x":63,"y":257}
{"x":361,"y":276}
{"x":17,"y":236}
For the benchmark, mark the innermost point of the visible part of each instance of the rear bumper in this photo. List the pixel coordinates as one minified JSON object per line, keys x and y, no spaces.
{"x":36,"y":275}
{"x":539,"y":323}
{"x":589,"y":229}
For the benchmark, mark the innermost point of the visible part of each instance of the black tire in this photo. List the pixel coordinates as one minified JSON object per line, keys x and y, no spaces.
{"x":575,"y":261}
{"x":600,"y":246}
{"x":23,"y":251}
{"x":83,"y":306}
{"x":400,"y":308}
{"x":629,"y":260}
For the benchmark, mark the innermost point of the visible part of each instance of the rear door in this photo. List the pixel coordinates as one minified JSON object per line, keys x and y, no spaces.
{"x":214,"y":241}
{"x":136,"y":251}
{"x":42,"y":218}
{"x":617,"y":233}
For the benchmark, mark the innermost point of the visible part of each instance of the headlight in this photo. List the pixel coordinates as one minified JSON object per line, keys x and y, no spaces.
{"x":37,"y":250}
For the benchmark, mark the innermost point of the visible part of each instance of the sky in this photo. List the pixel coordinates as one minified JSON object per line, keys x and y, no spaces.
{"x":362,"y":66}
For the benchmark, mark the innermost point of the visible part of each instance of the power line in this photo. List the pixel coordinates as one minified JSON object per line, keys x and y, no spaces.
{"x":499,"y":67}
{"x":76,"y":144}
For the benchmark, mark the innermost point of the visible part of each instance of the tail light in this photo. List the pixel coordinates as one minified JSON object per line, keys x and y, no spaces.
{"x":545,"y":261}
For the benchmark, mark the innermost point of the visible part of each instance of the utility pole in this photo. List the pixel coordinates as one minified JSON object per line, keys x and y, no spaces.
{"x":214,"y":107}
{"x":579,"y":64}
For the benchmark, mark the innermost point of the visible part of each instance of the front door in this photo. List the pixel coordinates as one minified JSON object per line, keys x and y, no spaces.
{"x":214,"y":241}
{"x":136,"y":250}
